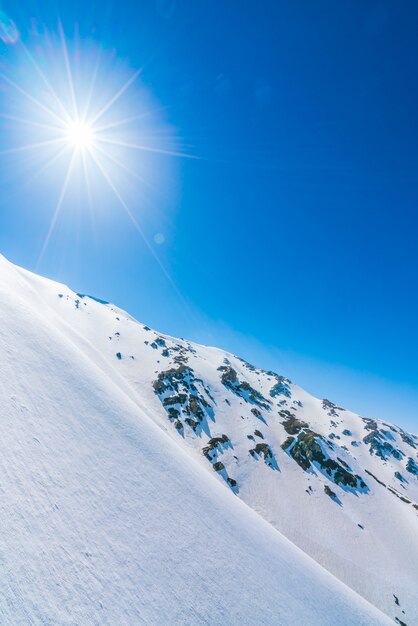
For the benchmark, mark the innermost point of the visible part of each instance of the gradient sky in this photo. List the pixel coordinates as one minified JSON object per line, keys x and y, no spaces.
{"x":292,"y":237}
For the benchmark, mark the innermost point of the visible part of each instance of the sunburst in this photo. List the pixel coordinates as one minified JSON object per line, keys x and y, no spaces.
{"x":77,"y":114}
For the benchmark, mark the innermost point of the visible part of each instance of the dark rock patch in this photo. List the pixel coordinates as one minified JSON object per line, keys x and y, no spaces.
{"x":379,"y":442}
{"x":281,"y":387}
{"x":292,"y":424}
{"x":263,"y":450}
{"x":308,"y":449}
{"x":183,"y":397}
{"x":331,"y":408}
{"x":412,"y":466}
{"x":376,"y":479}
{"x":242,"y":389}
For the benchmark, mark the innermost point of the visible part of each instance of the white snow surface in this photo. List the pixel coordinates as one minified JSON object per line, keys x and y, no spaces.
{"x":111,"y":515}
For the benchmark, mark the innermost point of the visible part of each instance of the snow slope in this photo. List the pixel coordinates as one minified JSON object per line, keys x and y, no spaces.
{"x":111,"y":514}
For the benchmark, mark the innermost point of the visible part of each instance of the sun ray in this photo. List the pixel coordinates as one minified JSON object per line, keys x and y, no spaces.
{"x":32,"y":146}
{"x":122,"y":165}
{"x":129,"y":120}
{"x":116,"y":97}
{"x":75,"y":115}
{"x":92,"y":86}
{"x":46,"y":165}
{"x":82,"y":125}
{"x":116,"y":192}
{"x":134,"y":146}
{"x":32,"y":99}
{"x":46,"y":81}
{"x":135,"y":223}
{"x":22,"y":120}
{"x":31,"y":179}
{"x":57,"y":210}
{"x":89,"y":195}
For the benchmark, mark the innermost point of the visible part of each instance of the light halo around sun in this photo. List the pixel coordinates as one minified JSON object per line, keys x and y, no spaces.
{"x":78,"y":108}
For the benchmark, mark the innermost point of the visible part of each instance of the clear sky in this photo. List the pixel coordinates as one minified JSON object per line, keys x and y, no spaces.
{"x":291,"y":238}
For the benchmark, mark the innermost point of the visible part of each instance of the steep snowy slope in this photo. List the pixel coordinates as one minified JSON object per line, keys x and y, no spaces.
{"x":122,"y":456}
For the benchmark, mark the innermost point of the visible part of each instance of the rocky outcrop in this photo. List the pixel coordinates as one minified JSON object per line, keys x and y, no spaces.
{"x":309,"y":450}
{"x":242,"y":389}
{"x":381,"y":441}
{"x":185,"y":398}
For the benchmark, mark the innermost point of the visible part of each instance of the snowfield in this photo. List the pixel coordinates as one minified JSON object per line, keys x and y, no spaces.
{"x":134,"y":488}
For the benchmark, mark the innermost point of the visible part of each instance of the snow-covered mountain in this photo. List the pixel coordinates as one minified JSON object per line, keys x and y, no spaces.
{"x":148,"y":480}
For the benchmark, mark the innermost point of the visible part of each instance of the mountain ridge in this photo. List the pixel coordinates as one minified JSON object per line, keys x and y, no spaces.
{"x":220,"y":413}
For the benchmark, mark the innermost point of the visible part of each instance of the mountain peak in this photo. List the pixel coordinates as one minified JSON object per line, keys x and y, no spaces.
{"x":107,"y":419}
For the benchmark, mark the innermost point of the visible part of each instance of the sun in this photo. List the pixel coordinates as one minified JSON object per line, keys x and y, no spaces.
{"x":77,"y":110}
{"x":80,"y":135}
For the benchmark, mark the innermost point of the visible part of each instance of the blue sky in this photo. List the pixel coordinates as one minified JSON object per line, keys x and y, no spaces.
{"x":291,"y":239}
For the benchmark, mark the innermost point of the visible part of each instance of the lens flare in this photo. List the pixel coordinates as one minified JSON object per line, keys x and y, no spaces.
{"x":8,"y":29}
{"x":78,"y":107}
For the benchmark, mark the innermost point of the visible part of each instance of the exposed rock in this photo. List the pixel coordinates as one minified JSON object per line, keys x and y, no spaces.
{"x":379,"y":441}
{"x":412,"y":466}
{"x":308,"y":450}
{"x":215,"y":445}
{"x":331,"y":408}
{"x":281,"y":388}
{"x":407,"y":438}
{"x":329,"y":492}
{"x":293,"y":425}
{"x":376,"y":479}
{"x":242,"y":389}
{"x":264,"y":450}
{"x":182,"y":394}
{"x":399,"y":476}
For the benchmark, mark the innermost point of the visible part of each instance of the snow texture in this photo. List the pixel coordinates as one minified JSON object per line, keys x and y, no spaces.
{"x":111,"y":512}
